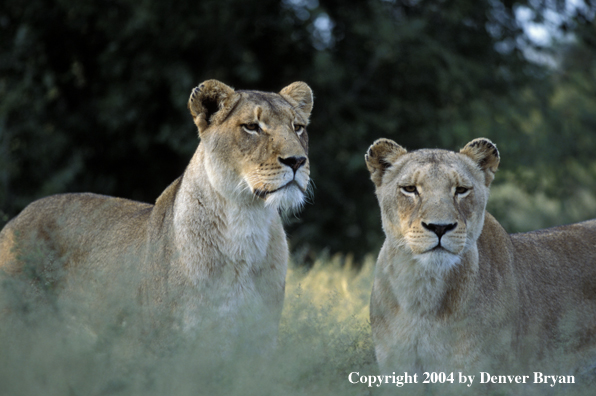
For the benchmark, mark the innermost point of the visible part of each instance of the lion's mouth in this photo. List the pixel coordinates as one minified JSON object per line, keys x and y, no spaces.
{"x":263,"y":193}
{"x":437,"y":249}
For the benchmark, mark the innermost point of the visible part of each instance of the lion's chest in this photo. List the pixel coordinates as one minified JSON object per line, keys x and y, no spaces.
{"x":246,"y":241}
{"x":222,"y":244}
{"x":412,"y":327}
{"x":231,"y":270}
{"x":236,"y":297}
{"x":423,"y":344}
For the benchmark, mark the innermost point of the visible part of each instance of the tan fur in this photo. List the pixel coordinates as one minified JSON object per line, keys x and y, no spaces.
{"x":214,"y":239}
{"x":484,"y":298}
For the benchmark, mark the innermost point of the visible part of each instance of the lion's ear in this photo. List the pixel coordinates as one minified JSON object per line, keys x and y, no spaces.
{"x":380,"y":156}
{"x":207,"y":99}
{"x":300,"y":96}
{"x":485,"y":154}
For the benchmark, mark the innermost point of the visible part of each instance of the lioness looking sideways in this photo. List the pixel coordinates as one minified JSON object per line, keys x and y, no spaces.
{"x":452,"y":290}
{"x":214,"y":238}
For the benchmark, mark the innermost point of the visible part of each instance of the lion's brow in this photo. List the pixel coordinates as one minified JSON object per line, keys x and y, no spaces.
{"x":262,"y":96}
{"x":259,"y":96}
{"x":267,"y":97}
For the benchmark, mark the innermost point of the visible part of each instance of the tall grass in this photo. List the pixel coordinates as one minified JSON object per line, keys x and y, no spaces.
{"x":47,"y":349}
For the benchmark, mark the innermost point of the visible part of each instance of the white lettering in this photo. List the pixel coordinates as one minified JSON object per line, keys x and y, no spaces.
{"x":569,"y":380}
{"x":552,"y":380}
{"x":466,"y":379}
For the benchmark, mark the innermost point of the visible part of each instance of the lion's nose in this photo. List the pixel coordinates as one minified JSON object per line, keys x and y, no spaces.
{"x":439,"y":229}
{"x":293,"y":162}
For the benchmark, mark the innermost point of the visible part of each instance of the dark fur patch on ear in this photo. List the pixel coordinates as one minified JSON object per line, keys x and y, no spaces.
{"x":384,"y":163}
{"x":206,"y":100}
{"x":212,"y":106}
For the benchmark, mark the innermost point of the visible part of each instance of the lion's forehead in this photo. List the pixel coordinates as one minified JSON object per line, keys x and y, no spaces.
{"x":268,"y":107}
{"x":435,"y":174}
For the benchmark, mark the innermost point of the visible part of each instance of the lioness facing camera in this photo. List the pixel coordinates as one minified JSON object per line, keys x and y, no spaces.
{"x":452,"y":290}
{"x":213,"y":243}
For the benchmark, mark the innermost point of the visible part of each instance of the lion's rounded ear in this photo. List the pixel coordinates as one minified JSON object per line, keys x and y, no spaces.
{"x":207,"y":99}
{"x":485,"y":154}
{"x":380,"y":156}
{"x":300,"y":96}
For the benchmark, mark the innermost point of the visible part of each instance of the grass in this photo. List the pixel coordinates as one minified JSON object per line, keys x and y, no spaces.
{"x":324,"y":335}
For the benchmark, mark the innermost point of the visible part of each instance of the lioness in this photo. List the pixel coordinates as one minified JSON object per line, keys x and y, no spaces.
{"x":452,"y":290}
{"x":214,"y":237}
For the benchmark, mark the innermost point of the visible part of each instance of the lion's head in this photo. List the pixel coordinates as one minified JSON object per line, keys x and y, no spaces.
{"x":433,"y":201}
{"x":255,"y":143}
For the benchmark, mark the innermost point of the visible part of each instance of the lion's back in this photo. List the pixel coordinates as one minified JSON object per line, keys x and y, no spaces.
{"x":77,"y":225}
{"x":557,"y":273}
{"x":568,"y":249}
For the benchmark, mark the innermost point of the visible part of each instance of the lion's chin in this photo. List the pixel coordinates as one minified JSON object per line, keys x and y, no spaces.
{"x":288,"y":198}
{"x":438,"y":259}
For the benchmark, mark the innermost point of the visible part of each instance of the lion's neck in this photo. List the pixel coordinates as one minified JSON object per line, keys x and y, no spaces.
{"x":435,"y":289}
{"x":218,"y":235}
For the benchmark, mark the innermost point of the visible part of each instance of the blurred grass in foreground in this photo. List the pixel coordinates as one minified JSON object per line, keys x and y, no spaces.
{"x":324,"y":336}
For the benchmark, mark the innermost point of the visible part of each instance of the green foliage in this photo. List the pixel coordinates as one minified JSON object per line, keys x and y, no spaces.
{"x":94,"y":96}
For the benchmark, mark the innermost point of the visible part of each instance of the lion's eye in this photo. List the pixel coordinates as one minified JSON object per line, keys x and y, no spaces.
{"x":461,"y":190}
{"x":410,"y":189}
{"x":298,"y":129}
{"x":251,"y":128}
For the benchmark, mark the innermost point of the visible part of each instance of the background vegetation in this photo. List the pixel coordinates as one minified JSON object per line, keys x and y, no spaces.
{"x":93,"y":97}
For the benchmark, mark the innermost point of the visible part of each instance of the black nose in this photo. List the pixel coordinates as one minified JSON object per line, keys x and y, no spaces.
{"x":439,"y":229}
{"x":293,"y":162}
